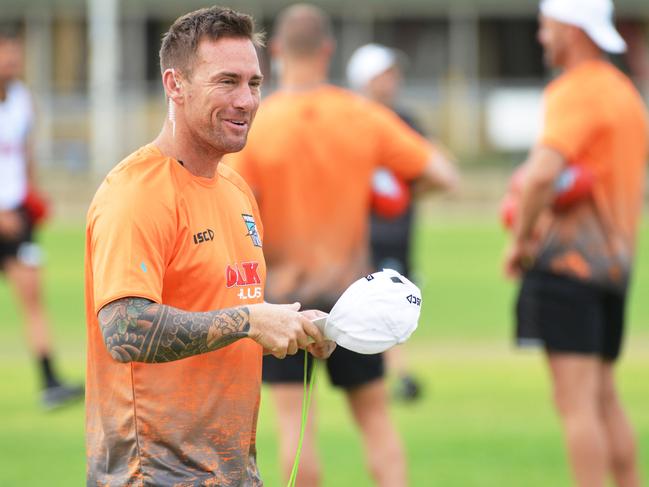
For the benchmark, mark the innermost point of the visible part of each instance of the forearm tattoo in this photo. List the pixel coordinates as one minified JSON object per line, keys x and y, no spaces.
{"x":139,"y":330}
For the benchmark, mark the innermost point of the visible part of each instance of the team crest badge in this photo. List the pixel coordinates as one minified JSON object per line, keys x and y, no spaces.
{"x":252,"y":229}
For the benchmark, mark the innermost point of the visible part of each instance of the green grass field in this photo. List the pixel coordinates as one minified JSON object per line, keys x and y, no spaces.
{"x":485,"y":419}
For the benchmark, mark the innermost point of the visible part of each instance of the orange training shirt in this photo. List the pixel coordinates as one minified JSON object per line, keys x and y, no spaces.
{"x":156,"y":231}
{"x":595,"y":117}
{"x":309,"y":159}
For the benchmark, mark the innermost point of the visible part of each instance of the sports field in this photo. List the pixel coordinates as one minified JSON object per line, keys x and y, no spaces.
{"x":485,"y":419}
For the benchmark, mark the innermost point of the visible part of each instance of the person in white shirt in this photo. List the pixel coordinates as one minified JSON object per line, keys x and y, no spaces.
{"x":19,"y":254}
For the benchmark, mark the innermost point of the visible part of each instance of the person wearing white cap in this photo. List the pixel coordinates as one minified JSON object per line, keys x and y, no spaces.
{"x":310,"y":159}
{"x":575,"y":268}
{"x":375,"y":71}
{"x":370,"y":62}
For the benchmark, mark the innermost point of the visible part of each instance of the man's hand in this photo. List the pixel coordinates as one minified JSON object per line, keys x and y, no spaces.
{"x":319,"y":350}
{"x":440,"y":173}
{"x":281,"y":329}
{"x":536,"y":195}
{"x":519,"y":257}
{"x":11,"y":225}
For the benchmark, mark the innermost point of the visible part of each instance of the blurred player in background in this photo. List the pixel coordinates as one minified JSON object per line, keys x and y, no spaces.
{"x":175,"y":280}
{"x":576,"y":269}
{"x":20,"y":208}
{"x":374,"y":70}
{"x":310,"y":160}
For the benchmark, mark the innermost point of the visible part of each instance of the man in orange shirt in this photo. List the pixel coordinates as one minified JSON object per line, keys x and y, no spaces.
{"x":310,"y":160}
{"x":175,"y":280}
{"x":576,"y":268}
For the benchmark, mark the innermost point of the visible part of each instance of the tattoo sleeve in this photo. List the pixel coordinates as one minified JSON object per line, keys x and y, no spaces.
{"x":139,"y":330}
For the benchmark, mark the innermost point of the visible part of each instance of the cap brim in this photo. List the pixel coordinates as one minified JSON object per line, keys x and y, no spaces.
{"x":607,"y":38}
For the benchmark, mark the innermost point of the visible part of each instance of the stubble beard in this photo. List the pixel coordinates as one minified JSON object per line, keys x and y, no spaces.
{"x":226,"y":145}
{"x":214,"y":139}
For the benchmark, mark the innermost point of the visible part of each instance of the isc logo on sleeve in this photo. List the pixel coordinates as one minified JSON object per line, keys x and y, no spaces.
{"x":204,"y":236}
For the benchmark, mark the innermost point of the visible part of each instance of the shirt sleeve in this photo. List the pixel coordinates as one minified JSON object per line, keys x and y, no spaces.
{"x":569,"y":122}
{"x":401,"y":149}
{"x":132,"y":235}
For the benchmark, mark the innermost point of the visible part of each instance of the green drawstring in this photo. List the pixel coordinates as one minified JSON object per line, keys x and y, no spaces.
{"x":306,"y":403}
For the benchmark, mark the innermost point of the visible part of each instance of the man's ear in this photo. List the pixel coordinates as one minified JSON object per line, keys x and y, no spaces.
{"x":329,"y":46}
{"x":172,"y":83}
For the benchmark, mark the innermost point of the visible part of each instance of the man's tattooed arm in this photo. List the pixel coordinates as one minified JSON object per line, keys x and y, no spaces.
{"x":139,"y":330}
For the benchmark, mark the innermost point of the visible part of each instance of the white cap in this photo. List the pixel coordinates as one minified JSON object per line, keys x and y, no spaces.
{"x":374,"y":313}
{"x":595,"y":17}
{"x":368,"y":62}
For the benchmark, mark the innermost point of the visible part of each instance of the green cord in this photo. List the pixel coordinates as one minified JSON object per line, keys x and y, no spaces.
{"x":306,"y":403}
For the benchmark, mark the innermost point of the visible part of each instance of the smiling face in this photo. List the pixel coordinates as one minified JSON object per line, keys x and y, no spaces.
{"x":218,"y":101}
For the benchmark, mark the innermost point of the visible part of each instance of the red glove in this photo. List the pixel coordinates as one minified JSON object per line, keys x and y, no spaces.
{"x":390,"y":195}
{"x":573,"y":185}
{"x":37,"y":206}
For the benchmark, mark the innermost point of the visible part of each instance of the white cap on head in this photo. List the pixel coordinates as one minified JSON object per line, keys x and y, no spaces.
{"x":368,"y":62}
{"x":375,"y":313}
{"x":595,"y":17}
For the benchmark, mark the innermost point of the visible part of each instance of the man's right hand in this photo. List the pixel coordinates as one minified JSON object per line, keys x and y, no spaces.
{"x":281,"y":329}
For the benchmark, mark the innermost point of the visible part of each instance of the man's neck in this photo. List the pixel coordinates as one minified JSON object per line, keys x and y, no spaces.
{"x":386,"y":100}
{"x":581,"y":55}
{"x":198,"y":160}
{"x":303,"y":74}
{"x":3,"y":90}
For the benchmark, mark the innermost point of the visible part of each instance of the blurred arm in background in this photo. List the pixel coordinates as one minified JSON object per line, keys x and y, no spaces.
{"x":538,"y":191}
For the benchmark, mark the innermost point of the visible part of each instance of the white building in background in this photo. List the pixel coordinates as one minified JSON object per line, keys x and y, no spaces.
{"x":474,"y":75}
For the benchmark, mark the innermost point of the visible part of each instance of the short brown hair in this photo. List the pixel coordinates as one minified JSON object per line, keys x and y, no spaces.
{"x":180,"y":42}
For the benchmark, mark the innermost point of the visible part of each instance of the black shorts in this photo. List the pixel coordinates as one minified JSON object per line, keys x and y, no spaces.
{"x":11,"y":247}
{"x":346,"y":369}
{"x":391,"y":257}
{"x":390,"y":242}
{"x":567,"y":315}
